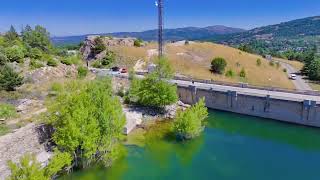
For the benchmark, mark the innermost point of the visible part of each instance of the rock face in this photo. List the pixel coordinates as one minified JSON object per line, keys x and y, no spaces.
{"x":30,"y":139}
{"x":89,"y":43}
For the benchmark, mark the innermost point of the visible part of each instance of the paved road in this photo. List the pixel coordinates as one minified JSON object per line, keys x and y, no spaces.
{"x":223,"y":88}
{"x":299,"y":83}
{"x":249,"y":91}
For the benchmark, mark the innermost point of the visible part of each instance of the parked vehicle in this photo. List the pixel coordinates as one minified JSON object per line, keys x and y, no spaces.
{"x":124,"y":70}
{"x":293,"y":76}
{"x":115,"y":69}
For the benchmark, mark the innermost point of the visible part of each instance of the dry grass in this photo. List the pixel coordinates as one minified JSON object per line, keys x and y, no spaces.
{"x":194,"y":60}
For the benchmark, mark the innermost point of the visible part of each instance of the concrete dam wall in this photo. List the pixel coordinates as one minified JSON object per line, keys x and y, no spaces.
{"x":304,"y":112}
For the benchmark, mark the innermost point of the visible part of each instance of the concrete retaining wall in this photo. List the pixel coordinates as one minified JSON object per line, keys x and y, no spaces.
{"x":293,"y":111}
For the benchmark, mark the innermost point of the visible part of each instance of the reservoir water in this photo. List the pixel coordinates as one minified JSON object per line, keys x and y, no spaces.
{"x":232,"y":147}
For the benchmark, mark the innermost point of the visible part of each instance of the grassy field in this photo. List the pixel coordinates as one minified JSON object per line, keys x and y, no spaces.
{"x":194,"y":60}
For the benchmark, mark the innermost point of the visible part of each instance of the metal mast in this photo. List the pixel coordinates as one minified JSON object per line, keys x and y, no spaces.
{"x":160,"y":28}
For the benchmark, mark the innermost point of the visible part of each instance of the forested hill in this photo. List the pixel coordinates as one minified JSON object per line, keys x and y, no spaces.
{"x":191,"y":33}
{"x":294,"y":35}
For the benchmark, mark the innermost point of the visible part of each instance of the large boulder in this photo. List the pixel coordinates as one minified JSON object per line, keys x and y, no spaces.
{"x":89,"y":44}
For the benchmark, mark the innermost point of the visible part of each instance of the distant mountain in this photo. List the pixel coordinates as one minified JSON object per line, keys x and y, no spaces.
{"x":293,"y":35}
{"x":190,"y":33}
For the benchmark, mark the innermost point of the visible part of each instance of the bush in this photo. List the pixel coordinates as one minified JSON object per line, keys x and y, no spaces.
{"x":230,"y":73}
{"x":277,"y":65}
{"x":15,"y":54}
{"x":108,"y":59}
{"x":82,"y":72}
{"x":189,"y":124}
{"x":242,"y":73}
{"x":52,"y":62}
{"x":259,"y":62}
{"x":34,"y":64}
{"x":99,"y":46}
{"x":285,"y":70}
{"x":30,"y":169}
{"x":218,"y":65}
{"x":138,"y":42}
{"x":9,"y":79}
{"x":35,"y":53}
{"x":71,"y":60}
{"x":3,"y":59}
{"x":66,"y":61}
{"x":88,"y":121}
{"x":7,"y":111}
{"x":97,"y":64}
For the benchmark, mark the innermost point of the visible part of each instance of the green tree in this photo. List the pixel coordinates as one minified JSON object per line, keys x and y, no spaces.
{"x":37,"y":38}
{"x":89,"y":122}
{"x":9,"y":79}
{"x":218,"y":65}
{"x":15,"y":53}
{"x":314,"y":69}
{"x":99,"y":46}
{"x":189,"y":124}
{"x":155,"y":90}
{"x":11,"y":35}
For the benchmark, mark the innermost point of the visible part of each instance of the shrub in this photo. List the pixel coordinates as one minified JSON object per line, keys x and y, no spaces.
{"x":66,"y":61}
{"x":30,"y":169}
{"x":52,"y":62}
{"x":277,"y":65}
{"x":285,"y":70}
{"x":259,"y":62}
{"x":7,"y":111}
{"x":35,"y":53}
{"x":99,"y":46}
{"x":15,"y":54}
{"x":242,"y":73}
{"x":3,"y":59}
{"x":82,"y":72}
{"x":97,"y":64}
{"x":34,"y":64}
{"x":9,"y":79}
{"x":138,"y":42}
{"x":189,"y":124}
{"x":230,"y":73}
{"x":88,"y":121}
{"x":218,"y":65}
{"x":108,"y":59}
{"x":271,"y":63}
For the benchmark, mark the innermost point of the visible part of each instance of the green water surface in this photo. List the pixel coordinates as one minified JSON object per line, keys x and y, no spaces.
{"x":232,"y":147}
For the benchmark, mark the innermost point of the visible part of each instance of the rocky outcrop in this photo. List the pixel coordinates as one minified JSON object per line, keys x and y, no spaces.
{"x":89,"y":44}
{"x":31,"y":139}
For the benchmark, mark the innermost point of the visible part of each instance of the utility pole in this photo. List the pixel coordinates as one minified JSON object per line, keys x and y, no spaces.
{"x":159,"y":3}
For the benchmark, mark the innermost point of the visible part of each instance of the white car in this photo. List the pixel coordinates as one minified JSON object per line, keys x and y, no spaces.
{"x":293,"y":76}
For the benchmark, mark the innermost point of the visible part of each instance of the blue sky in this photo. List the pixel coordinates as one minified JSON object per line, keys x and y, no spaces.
{"x":73,"y":17}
